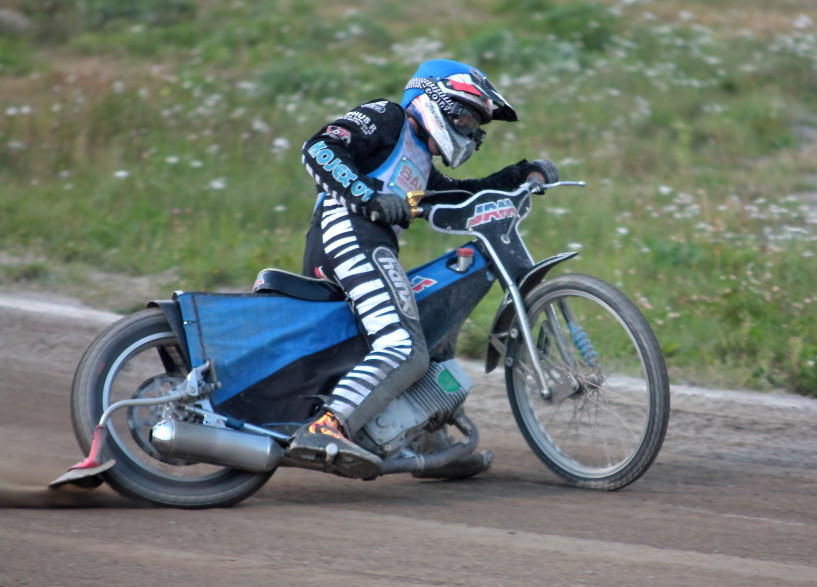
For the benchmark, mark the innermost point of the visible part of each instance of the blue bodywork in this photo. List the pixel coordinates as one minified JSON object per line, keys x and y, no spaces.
{"x":278,"y":347}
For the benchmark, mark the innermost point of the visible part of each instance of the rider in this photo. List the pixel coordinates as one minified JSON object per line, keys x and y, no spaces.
{"x":364,"y":163}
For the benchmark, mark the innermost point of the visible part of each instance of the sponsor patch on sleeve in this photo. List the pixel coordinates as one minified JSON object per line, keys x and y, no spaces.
{"x":379,"y":106}
{"x":340,"y":133}
{"x":364,"y":122}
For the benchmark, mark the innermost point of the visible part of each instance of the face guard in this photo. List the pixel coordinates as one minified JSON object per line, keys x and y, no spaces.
{"x":451,"y":101}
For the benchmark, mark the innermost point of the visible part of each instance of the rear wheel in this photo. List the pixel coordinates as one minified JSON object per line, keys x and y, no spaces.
{"x":139,"y":357}
{"x":605,"y":420}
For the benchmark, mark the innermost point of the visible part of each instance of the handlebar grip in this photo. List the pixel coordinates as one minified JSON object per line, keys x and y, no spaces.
{"x":535,"y":177}
{"x":536,"y":181}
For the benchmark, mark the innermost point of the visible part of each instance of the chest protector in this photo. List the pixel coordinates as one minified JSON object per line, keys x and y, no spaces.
{"x":407,"y":167}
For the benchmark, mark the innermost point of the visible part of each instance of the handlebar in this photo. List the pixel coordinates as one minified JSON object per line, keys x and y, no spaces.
{"x":532,"y":185}
{"x":537,"y":187}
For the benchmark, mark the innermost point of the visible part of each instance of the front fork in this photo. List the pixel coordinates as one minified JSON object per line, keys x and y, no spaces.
{"x":530,"y":342}
{"x":514,"y":305}
{"x":551,"y":338}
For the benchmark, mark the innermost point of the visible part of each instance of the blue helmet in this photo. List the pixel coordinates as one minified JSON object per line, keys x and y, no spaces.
{"x":450,"y":101}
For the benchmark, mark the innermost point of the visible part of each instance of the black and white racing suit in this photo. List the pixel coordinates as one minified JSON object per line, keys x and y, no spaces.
{"x":369,"y":150}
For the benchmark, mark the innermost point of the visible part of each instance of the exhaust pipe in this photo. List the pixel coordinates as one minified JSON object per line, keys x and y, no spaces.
{"x":217,"y":446}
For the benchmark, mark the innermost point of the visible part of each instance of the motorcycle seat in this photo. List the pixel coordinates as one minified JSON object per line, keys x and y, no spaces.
{"x":278,"y":281}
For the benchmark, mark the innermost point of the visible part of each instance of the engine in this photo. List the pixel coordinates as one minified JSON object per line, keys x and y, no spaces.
{"x":426,"y":405}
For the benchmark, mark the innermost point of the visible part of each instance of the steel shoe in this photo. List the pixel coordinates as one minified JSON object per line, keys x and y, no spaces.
{"x":322,"y":442}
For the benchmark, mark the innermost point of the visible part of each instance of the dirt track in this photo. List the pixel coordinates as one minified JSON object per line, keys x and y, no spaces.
{"x":732,"y":500}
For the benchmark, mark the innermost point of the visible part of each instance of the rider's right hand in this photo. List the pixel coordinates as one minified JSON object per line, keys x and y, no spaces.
{"x":389,"y":209}
{"x":542,"y":170}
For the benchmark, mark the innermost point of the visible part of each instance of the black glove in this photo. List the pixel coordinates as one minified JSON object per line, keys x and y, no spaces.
{"x":388,"y":209}
{"x":544,"y":169}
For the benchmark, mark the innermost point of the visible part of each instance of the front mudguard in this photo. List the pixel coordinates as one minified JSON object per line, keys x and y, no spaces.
{"x":497,"y":338}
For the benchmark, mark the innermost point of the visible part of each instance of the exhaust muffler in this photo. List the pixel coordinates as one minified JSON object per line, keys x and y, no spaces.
{"x":217,"y":446}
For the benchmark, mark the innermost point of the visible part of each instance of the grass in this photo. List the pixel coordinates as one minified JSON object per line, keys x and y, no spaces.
{"x":166,"y":139}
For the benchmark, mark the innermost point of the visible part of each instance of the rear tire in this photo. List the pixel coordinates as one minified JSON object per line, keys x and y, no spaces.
{"x":124,"y":362}
{"x":606,"y":419}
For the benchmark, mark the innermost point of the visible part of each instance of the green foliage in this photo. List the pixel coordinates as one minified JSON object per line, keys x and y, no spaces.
{"x":588,"y":24}
{"x":802,"y":367}
{"x":313,"y":81}
{"x":16,"y":57}
{"x":160,"y":136}
{"x":25,"y":272}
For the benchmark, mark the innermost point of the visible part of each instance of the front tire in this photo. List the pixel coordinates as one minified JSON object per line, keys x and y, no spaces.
{"x":139,"y":356}
{"x":607,"y":416}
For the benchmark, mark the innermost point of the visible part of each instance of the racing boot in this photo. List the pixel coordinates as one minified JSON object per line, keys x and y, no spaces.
{"x":464,"y":467}
{"x":322,"y":441}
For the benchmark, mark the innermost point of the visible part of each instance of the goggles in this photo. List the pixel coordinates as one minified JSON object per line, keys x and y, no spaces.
{"x":465,"y":121}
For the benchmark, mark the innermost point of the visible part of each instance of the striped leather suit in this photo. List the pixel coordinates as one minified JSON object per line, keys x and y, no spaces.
{"x":370,"y":150}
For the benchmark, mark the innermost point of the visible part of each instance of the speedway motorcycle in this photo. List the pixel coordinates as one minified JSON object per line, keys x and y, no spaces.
{"x":192,"y":402}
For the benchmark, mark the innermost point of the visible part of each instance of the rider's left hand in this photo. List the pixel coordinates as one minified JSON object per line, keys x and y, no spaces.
{"x":389,"y":209}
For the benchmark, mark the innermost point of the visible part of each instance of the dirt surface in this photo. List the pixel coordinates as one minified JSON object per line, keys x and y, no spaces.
{"x":730,"y":500}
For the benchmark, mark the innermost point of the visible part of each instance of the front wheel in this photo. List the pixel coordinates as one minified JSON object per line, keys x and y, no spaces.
{"x":606,"y":417}
{"x":139,"y":357}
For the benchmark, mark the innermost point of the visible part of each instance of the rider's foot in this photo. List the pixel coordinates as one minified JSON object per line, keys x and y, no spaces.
{"x":322,"y":441}
{"x":462,"y":468}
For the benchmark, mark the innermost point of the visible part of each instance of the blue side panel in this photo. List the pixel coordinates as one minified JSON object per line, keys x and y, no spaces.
{"x":250,"y":337}
{"x":436,"y":275}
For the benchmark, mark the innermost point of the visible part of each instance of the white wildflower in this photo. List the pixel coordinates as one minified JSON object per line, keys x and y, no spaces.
{"x":279,"y":145}
{"x":259,"y":125}
{"x":568,"y":161}
{"x":557,"y":211}
{"x":802,"y":22}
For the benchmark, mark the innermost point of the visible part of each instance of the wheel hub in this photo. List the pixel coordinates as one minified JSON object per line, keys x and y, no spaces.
{"x":142,"y":418}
